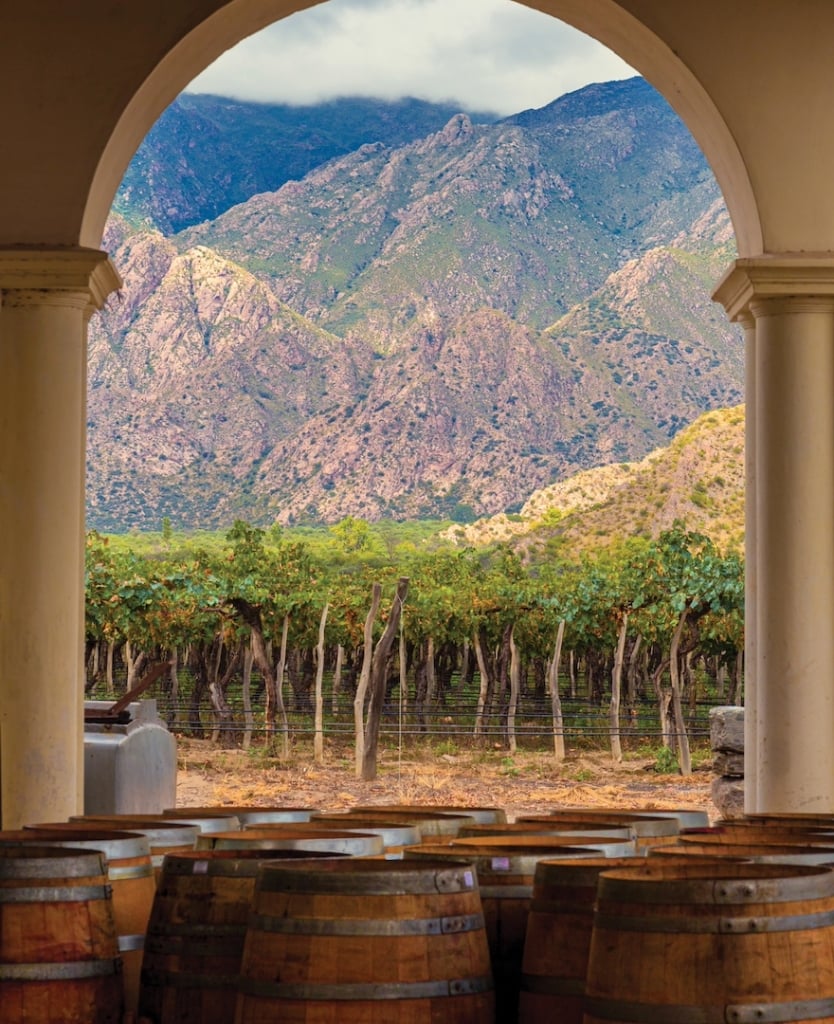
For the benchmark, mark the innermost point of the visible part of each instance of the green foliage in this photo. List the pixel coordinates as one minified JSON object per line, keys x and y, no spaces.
{"x":665,"y":762}
{"x":353,"y":535}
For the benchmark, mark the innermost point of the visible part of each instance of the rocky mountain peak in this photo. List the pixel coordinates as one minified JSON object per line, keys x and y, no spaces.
{"x":459,"y":129}
{"x":432,"y":327}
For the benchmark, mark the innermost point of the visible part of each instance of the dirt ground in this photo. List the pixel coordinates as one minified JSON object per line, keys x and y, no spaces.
{"x":526,"y":782}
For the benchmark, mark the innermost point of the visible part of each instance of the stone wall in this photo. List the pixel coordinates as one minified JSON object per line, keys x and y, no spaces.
{"x":726,"y":731}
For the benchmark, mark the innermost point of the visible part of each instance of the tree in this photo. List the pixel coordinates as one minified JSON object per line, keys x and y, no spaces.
{"x":353,"y":535}
{"x":684,"y":579}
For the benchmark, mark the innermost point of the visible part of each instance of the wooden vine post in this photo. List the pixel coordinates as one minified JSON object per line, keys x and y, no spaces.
{"x":364,"y":678}
{"x":318,"y":739}
{"x":555,"y":700}
{"x":378,"y":676}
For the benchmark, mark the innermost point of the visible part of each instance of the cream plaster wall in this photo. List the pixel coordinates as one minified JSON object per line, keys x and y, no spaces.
{"x":753,"y":90}
{"x":83,"y":83}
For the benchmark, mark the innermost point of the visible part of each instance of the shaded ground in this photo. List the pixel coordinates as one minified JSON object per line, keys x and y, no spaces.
{"x":524,"y":782}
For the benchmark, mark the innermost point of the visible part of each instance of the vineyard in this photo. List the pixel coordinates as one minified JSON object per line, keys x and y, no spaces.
{"x":269,"y":641}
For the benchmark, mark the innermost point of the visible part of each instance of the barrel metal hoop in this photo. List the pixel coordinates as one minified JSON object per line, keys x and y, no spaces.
{"x":122,"y":874}
{"x":154,"y":978}
{"x":56,"y":894}
{"x":69,"y":970}
{"x":747,"y":1013}
{"x":772,"y":1013}
{"x":369,"y":991}
{"x":714,"y":925}
{"x":358,"y":883}
{"x":131,"y":943}
{"x":225,"y":868}
{"x":545,"y":985}
{"x":364,"y":926}
{"x":783,"y":889}
{"x":80,"y":865}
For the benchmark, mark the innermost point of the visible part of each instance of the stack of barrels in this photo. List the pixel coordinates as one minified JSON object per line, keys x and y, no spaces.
{"x":729,"y":923}
{"x":417,"y":915}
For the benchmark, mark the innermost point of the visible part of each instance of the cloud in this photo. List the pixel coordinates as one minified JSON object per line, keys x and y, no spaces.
{"x":482,"y":54}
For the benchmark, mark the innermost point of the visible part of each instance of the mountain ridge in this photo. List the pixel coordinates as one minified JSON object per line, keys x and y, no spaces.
{"x":435,"y":328}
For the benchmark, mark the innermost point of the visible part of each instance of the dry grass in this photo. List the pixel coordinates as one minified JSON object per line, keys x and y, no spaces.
{"x":528,"y":781}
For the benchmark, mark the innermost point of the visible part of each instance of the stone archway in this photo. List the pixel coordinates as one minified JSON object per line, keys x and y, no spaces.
{"x":605,"y":20}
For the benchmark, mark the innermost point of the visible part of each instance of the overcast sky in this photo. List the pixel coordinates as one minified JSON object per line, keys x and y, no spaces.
{"x":482,"y":54}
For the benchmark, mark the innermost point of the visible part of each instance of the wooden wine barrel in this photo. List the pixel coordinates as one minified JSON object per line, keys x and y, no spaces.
{"x":558,"y":939}
{"x":752,"y":834}
{"x":131,"y":879}
{"x":545,"y":828}
{"x":196,"y":934}
{"x":434,"y":825}
{"x":58,"y":956}
{"x":204,"y":822}
{"x":295,"y":837}
{"x":647,"y":829}
{"x":163,"y":837}
{"x":366,"y":941}
{"x":713,"y":943}
{"x":505,"y":878}
{"x":481,"y":815}
{"x":782,"y":819}
{"x":395,"y":834}
{"x":251,"y":815}
{"x":756,"y":853}
{"x":605,"y":845}
{"x":686,"y":817}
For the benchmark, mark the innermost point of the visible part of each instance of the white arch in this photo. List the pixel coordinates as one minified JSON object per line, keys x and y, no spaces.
{"x":605,"y":20}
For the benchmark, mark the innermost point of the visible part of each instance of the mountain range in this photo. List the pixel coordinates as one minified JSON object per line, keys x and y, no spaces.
{"x":434,"y":317}
{"x":697,"y":479}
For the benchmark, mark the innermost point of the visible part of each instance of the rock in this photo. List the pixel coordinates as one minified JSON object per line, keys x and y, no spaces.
{"x":729,"y":764}
{"x":726,"y":729}
{"x":728,"y":796}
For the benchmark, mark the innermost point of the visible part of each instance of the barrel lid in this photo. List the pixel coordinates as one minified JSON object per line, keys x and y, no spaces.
{"x":687,"y":817}
{"x":246,"y":814}
{"x":579,"y":872}
{"x":207,"y":823}
{"x":114,"y":845}
{"x":354,"y":876}
{"x":535,"y":828}
{"x":725,"y":834}
{"x":393,"y":833}
{"x":786,"y":853}
{"x":644,"y":825}
{"x":231,"y":863}
{"x":357,"y":843}
{"x":41,"y":862}
{"x":159,"y":833}
{"x":430,"y":822}
{"x":481,"y":815}
{"x":531,"y":843}
{"x":497,"y":860}
{"x":734,"y":883}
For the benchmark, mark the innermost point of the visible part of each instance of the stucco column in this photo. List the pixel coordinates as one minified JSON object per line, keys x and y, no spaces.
{"x":46,"y":297}
{"x":751,"y":629}
{"x":790,"y":428}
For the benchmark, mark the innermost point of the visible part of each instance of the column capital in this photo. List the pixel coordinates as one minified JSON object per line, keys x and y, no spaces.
{"x":778,"y":276}
{"x":68,"y":270}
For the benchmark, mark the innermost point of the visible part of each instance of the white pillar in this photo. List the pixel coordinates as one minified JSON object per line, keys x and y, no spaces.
{"x":790,"y":429}
{"x":46,"y":297}
{"x":751,"y":630}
